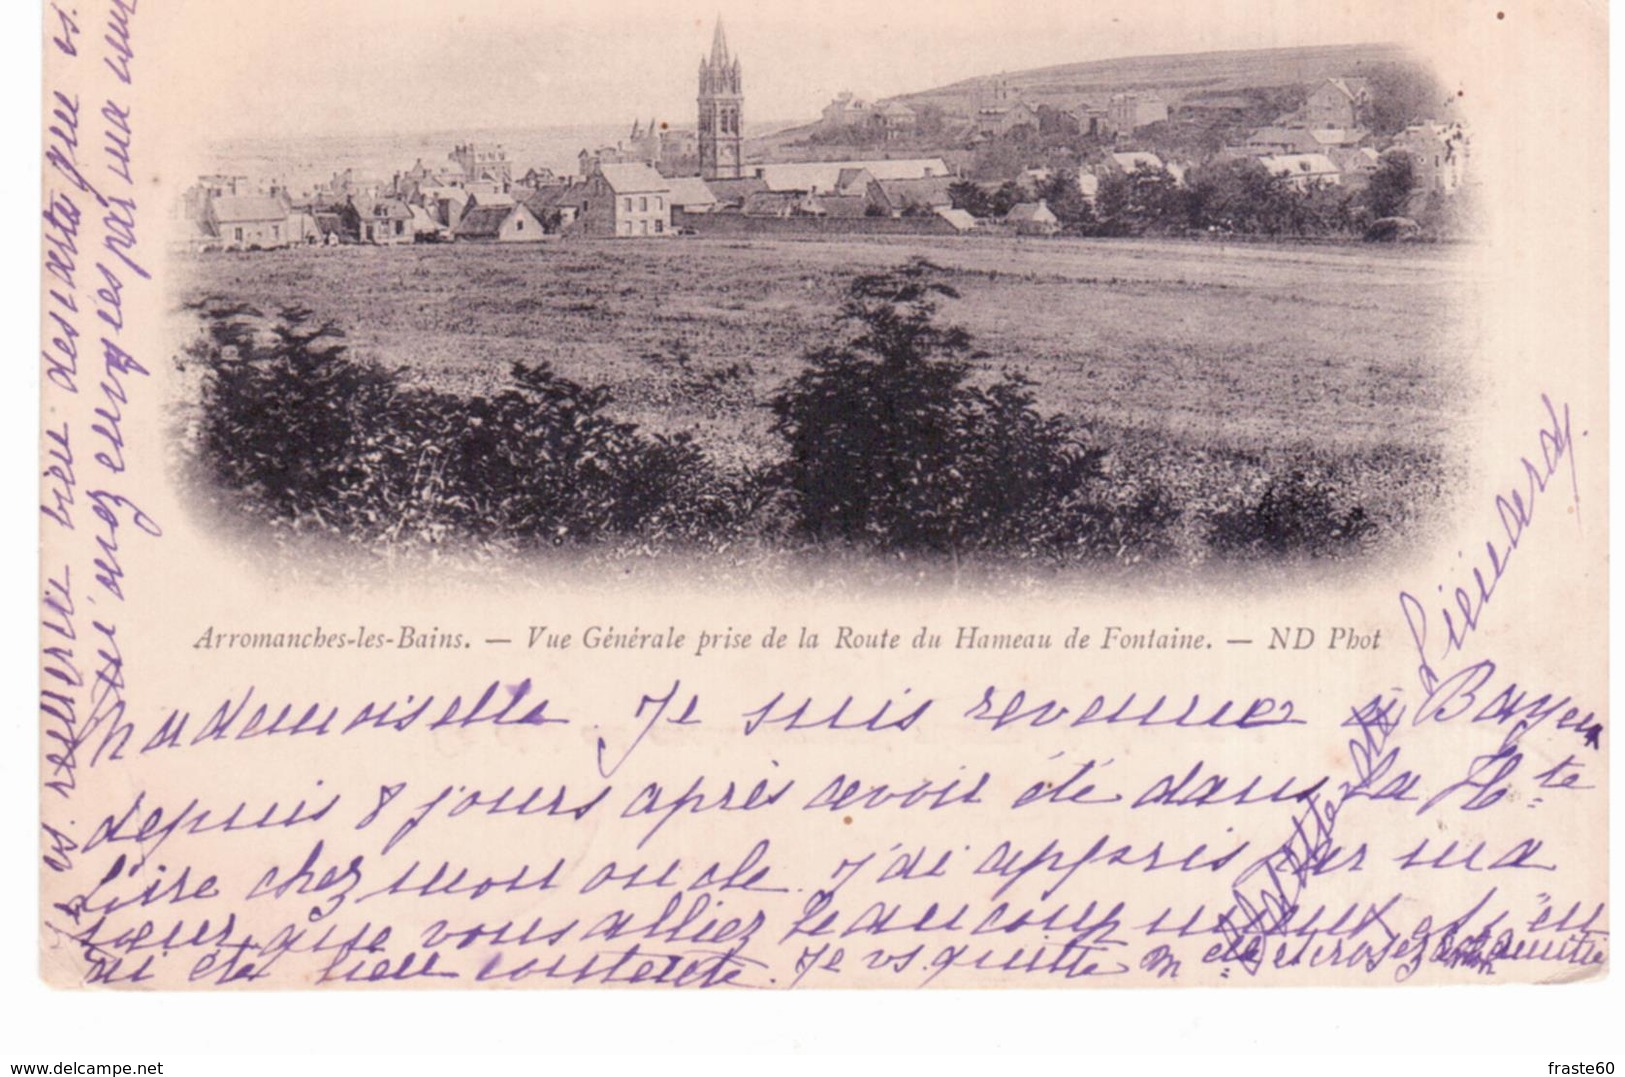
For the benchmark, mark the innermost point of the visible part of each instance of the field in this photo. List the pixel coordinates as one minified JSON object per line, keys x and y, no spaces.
{"x":1211,"y":362}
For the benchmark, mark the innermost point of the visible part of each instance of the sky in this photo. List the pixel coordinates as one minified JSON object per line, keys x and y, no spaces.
{"x":414,"y":65}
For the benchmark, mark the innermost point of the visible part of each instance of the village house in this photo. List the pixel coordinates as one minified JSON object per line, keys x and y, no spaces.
{"x":998,"y":111}
{"x":556,"y":207}
{"x":1438,"y":153}
{"x":1267,"y":141}
{"x":1337,"y":103}
{"x":444,"y":204}
{"x":910,"y":197}
{"x":853,"y":182}
{"x":622,"y":200}
{"x":849,"y":206}
{"x":426,"y":227}
{"x":195,"y":199}
{"x":249,"y":221}
{"x":483,"y":164}
{"x":345,"y":185}
{"x":537,"y":178}
{"x":1005,"y":120}
{"x":691,"y":194}
{"x":1092,"y":120}
{"x":782,"y":204}
{"x":960,"y":219}
{"x":825,"y":177}
{"x":384,"y":221}
{"x":512,"y":223}
{"x":408,"y":185}
{"x":303,"y":231}
{"x":1356,"y":163}
{"x":1304,"y":171}
{"x":330,"y":228}
{"x":1033,"y":219}
{"x":1128,"y":112}
{"x":845,"y":111}
{"x":893,"y":120}
{"x":1130,"y":162}
{"x":489,"y":198}
{"x":679,"y":152}
{"x":731,"y":193}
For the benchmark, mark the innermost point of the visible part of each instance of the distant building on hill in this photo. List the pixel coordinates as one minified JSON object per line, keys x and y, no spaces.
{"x":1337,"y":103}
{"x":894,"y":120}
{"x":999,"y":111}
{"x":1128,"y":112}
{"x":845,"y":111}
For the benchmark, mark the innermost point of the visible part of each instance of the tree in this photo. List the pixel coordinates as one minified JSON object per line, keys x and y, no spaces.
{"x":930,"y":121}
{"x":1401,"y":93}
{"x":997,"y":159}
{"x":1391,"y":185}
{"x":1005,"y":198}
{"x":891,"y":444}
{"x":1241,"y":195}
{"x":971,"y":198}
{"x":1147,"y":199}
{"x":1067,"y":202}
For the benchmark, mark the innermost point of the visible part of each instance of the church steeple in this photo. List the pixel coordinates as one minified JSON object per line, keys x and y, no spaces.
{"x":721,"y":101}
{"x":719,"y":45}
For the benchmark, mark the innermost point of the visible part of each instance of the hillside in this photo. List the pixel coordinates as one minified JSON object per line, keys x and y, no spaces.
{"x":1176,"y":78}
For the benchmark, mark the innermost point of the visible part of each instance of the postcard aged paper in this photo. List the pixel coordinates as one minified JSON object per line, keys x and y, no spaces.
{"x":957,"y":498}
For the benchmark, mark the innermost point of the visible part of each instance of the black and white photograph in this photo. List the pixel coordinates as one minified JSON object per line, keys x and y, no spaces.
{"x":806,"y":310}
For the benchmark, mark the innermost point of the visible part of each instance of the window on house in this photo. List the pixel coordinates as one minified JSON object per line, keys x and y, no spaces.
{"x":238,"y":232}
{"x":643,"y":204}
{"x":519,"y":225}
{"x":660,"y":226}
{"x":629,"y":205}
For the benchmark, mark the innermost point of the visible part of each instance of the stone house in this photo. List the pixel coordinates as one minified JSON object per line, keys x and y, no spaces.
{"x":512,"y":223}
{"x":249,"y":221}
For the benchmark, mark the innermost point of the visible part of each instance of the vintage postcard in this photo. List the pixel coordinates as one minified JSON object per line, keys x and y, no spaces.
{"x":816,"y":497}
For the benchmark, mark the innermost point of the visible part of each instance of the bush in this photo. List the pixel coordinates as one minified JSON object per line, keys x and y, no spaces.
{"x":309,"y":438}
{"x":889,"y":444}
{"x":1296,"y":514}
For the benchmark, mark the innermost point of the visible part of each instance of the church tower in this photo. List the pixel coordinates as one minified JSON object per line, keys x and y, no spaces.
{"x":722,"y":100}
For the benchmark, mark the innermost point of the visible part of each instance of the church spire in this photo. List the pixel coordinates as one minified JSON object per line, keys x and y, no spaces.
{"x":719,"y":45}
{"x":721,"y":101}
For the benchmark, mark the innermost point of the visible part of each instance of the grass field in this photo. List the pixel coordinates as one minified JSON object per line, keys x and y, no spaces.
{"x":1212,"y":358}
